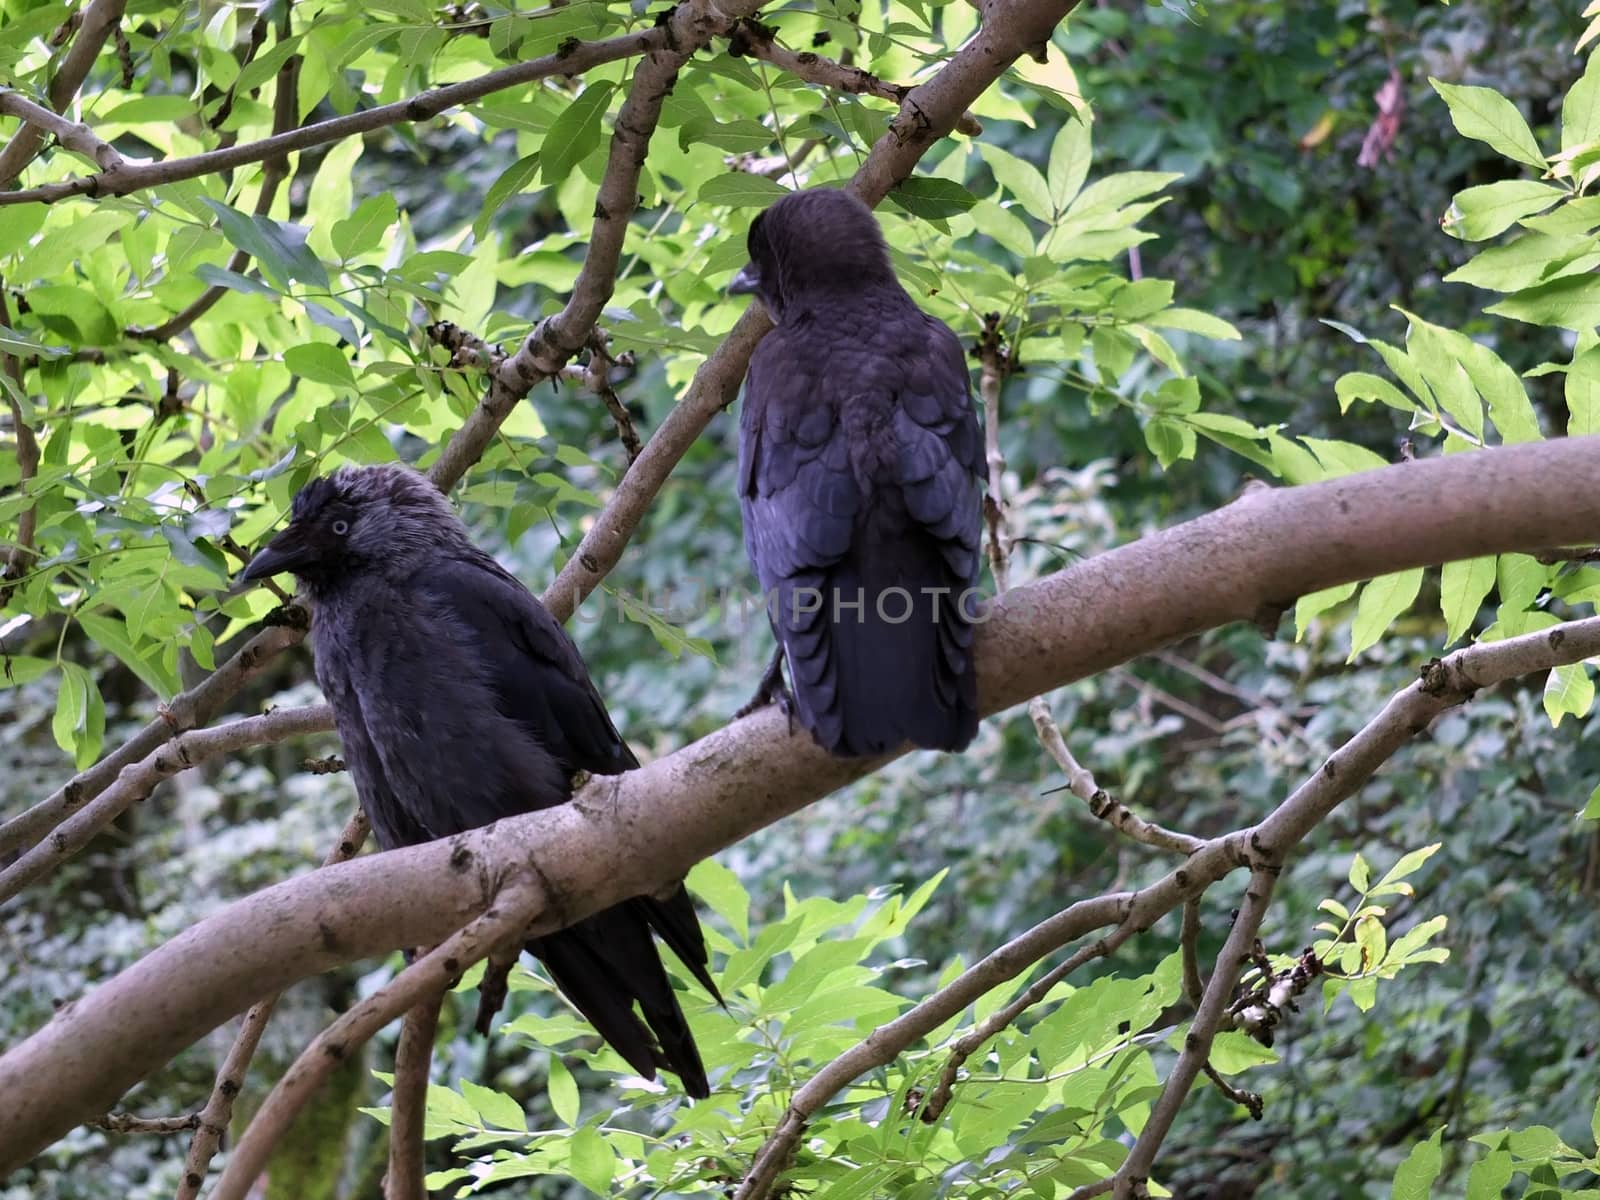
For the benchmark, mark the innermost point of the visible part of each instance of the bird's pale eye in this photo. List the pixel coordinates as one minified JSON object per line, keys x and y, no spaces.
{"x":341,"y":527}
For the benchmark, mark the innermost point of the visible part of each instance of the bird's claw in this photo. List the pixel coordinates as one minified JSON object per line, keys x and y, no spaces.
{"x":771,"y":690}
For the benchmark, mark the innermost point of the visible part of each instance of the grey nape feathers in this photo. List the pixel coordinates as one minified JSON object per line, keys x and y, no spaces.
{"x":860,"y":463}
{"x":459,"y":701}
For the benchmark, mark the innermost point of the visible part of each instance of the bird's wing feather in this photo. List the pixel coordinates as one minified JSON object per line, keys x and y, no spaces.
{"x":536,"y":672}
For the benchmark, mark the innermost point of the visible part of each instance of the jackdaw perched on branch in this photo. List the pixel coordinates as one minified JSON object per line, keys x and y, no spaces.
{"x":860,"y":460}
{"x":459,"y":701}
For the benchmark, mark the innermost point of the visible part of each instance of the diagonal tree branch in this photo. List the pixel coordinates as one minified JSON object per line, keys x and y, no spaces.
{"x":214,"y":1117}
{"x":1134,"y":1173}
{"x":78,"y":138}
{"x":135,"y":783}
{"x":506,"y":916}
{"x":99,"y":21}
{"x":627,"y":835}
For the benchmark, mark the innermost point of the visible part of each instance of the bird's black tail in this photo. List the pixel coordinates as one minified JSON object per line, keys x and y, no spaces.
{"x":898,"y":668}
{"x":606,"y":962}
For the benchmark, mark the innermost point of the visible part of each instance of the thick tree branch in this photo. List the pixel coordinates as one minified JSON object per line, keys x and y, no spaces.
{"x":78,"y":138}
{"x":509,"y":911}
{"x":629,"y":834}
{"x":214,"y":1117}
{"x":408,"y":1108}
{"x":99,"y":20}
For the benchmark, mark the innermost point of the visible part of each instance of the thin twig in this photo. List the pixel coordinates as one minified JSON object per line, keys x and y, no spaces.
{"x":285,"y":116}
{"x":1189,"y":943}
{"x":597,"y":378}
{"x":21,"y":552}
{"x":1101,"y":803}
{"x":116,"y":1122}
{"x":506,"y":918}
{"x":965,"y":1046}
{"x":213,"y":1119}
{"x":758,"y":41}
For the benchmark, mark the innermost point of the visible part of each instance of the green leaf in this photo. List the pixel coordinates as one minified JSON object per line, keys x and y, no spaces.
{"x":1410,"y":863}
{"x":1430,"y":348}
{"x":112,"y":635}
{"x":740,"y":189}
{"x":320,"y":363}
{"x":363,"y":229}
{"x":1591,"y":810}
{"x":1169,"y":440}
{"x":575,"y":133}
{"x":591,"y":1160}
{"x":1489,"y":1175}
{"x":1520,"y":263}
{"x":1462,"y":588}
{"x":1580,"y":111}
{"x":1413,"y":1179}
{"x":563,"y":1091}
{"x":1407,"y":945}
{"x":496,"y":1108}
{"x":932,"y":199}
{"x":1484,"y":115}
{"x":1360,"y":385}
{"x":1568,"y":689}
{"x":1234,"y":1051}
{"x":1360,"y":874}
{"x":1583,"y":393}
{"x":1482,"y":212}
{"x":279,"y":248}
{"x":1192,"y":320}
{"x":1382,"y":600}
{"x":1020,"y":180}
{"x":513,"y":181}
{"x":79,"y":723}
{"x":720,"y":889}
{"x":1005,"y":227}
{"x":1314,"y":604}
{"x":1569,"y":303}
{"x":1069,"y":162}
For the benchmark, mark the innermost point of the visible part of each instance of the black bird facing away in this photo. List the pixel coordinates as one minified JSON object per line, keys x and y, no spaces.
{"x":860,"y":462}
{"x":460,"y":700}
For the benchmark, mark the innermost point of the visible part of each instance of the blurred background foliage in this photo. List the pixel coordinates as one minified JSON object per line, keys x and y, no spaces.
{"x":1276,"y":221}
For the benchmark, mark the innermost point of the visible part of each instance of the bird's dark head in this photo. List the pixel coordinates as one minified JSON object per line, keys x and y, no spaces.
{"x":810,"y":244}
{"x":359,"y":520}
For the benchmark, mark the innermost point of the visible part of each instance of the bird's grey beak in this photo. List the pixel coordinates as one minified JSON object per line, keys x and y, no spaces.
{"x":288,"y":551}
{"x":748,"y":280}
